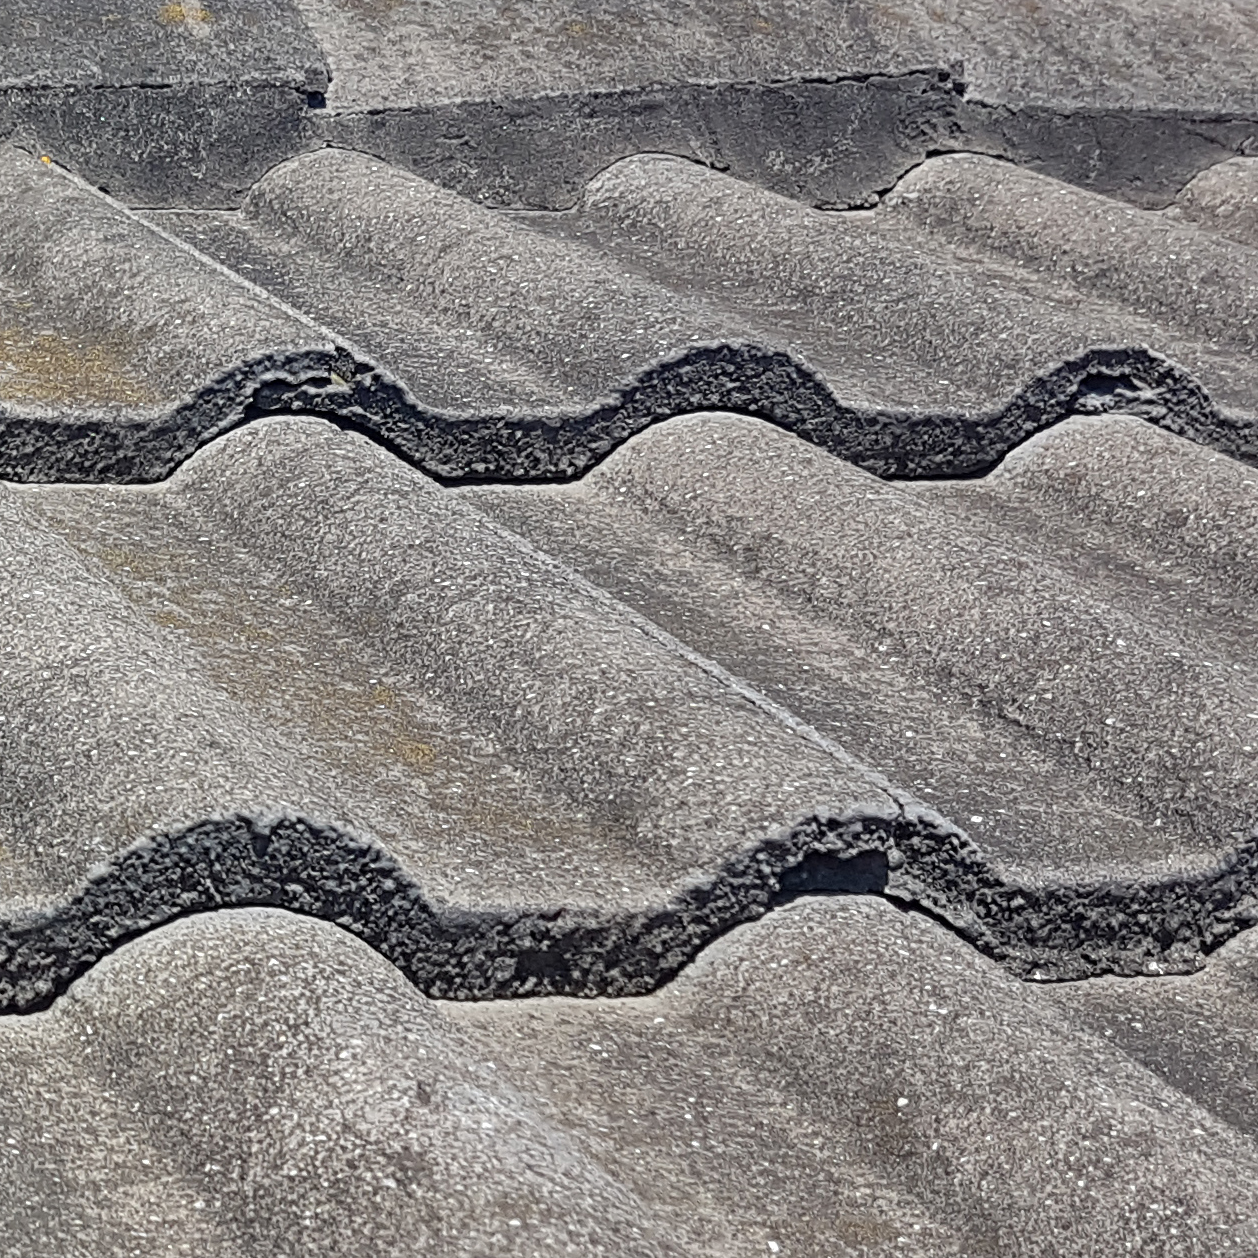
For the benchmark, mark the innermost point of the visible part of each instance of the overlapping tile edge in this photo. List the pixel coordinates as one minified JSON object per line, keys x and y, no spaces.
{"x":308,"y":369}
{"x":360,"y":396}
{"x":914,"y":856}
{"x":916,"y":860}
{"x":572,"y":108}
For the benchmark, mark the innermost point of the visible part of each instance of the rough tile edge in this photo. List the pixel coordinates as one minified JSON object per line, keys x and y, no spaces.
{"x":48,"y":444}
{"x":914,"y":858}
{"x":538,"y":150}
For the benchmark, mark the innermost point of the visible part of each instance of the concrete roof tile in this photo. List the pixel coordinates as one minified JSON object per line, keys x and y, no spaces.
{"x":511,"y":690}
{"x":906,"y":1098}
{"x":761,"y":636}
{"x":241,"y":1077}
{"x":188,"y":104}
{"x":240,"y":1081}
{"x":633,"y":313}
{"x":954,"y":610}
{"x":1224,"y":199}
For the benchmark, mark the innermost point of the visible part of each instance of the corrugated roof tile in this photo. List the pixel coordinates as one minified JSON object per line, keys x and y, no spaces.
{"x":761,"y":636}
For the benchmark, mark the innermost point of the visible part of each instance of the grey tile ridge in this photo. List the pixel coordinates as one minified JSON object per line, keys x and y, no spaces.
{"x":348,"y":386}
{"x":964,"y":198}
{"x":137,"y":216}
{"x":648,"y":628}
{"x":1222,"y":199}
{"x":1061,"y":929}
{"x":1190,"y":504}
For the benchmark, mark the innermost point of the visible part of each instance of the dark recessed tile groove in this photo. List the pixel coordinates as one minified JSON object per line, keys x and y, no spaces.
{"x":499,"y":449}
{"x":1042,"y":933}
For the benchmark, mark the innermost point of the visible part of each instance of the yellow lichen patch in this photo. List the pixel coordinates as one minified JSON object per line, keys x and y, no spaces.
{"x":412,"y":752}
{"x":122,"y":559}
{"x":182,"y":15}
{"x":139,"y":565}
{"x":45,"y":366}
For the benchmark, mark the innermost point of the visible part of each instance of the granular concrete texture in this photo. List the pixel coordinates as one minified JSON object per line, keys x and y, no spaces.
{"x":482,"y":345}
{"x":627,"y":630}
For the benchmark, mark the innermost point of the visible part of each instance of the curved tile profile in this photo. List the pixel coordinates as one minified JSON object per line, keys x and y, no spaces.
{"x":766,"y":384}
{"x":915,"y":859}
{"x":1223,"y":199}
{"x":827,"y":105}
{"x":323,"y":872}
{"x":567,"y":319}
{"x":742,"y":379}
{"x":234,"y":1082}
{"x":302,"y":675}
{"x":253,"y":1058}
{"x":264,"y":358}
{"x":561,"y":684}
{"x":1174,"y":272}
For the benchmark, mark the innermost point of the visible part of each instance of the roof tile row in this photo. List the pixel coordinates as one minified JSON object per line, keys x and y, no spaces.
{"x":963,"y":628}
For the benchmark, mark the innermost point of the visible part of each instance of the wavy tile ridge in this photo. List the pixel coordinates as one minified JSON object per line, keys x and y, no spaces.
{"x":345,"y":387}
{"x":916,"y":859}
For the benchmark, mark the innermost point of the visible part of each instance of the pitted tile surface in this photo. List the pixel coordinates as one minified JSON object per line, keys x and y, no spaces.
{"x":387,"y":55}
{"x":239,"y":1082}
{"x":901,"y":1074}
{"x":840,"y":1079}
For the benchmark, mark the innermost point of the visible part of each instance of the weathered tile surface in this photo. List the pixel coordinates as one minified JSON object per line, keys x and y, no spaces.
{"x":520,"y":105}
{"x":587,"y":730}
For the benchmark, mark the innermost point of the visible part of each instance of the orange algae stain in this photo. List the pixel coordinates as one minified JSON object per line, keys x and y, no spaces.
{"x":45,"y":366}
